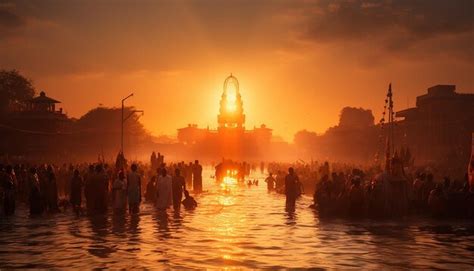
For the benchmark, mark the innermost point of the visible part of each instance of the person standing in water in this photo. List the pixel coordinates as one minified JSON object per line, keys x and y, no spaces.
{"x":178,"y":186}
{"x":75,"y":196}
{"x":34,"y":197}
{"x":134,"y":189}
{"x":119,"y":193}
{"x":9,"y":185}
{"x":270,"y":182}
{"x":163,"y":190}
{"x":52,"y":190}
{"x":291,"y":189}
{"x":197,"y":177}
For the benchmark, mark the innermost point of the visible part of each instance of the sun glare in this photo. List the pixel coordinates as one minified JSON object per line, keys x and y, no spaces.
{"x":231,"y":99}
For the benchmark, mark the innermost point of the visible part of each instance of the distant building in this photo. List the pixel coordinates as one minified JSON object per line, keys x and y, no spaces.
{"x":439,"y":128}
{"x":39,"y":114}
{"x":231,"y":139}
{"x":35,"y":127}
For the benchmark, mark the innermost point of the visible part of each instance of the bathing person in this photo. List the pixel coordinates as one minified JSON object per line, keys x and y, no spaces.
{"x":189,"y":202}
{"x":119,"y":189}
{"x":134,"y":190}
{"x":75,"y":196}
{"x":197,"y":177}
{"x":291,"y":189}
{"x":163,"y":190}
{"x":178,"y":186}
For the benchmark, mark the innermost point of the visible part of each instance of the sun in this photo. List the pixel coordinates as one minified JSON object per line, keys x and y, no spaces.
{"x":231,"y":99}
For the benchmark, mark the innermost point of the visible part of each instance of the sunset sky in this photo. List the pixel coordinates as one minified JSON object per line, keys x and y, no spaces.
{"x":298,"y":62}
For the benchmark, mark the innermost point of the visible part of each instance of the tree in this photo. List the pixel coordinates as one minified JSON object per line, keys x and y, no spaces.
{"x":305,"y":139}
{"x":15,"y":90}
{"x":359,"y":118}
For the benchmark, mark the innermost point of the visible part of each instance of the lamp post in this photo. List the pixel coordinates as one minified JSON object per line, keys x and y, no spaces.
{"x":122,"y":121}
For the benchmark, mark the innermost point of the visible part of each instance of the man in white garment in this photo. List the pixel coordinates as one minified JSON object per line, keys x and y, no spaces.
{"x":163,"y":191}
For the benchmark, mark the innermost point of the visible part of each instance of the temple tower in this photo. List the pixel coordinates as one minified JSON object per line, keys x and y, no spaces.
{"x":231,"y":112}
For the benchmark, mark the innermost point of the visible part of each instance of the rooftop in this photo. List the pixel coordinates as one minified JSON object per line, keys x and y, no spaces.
{"x":42,"y":98}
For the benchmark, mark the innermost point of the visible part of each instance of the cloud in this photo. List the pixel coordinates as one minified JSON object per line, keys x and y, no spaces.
{"x":10,"y":22}
{"x":396,"y":26}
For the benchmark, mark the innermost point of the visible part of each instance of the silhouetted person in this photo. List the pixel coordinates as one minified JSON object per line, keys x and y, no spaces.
{"x":188,"y":174}
{"x":134,"y":190}
{"x":88,"y":188}
{"x":428,"y":186}
{"x":52,"y":191}
{"x":75,"y":196}
{"x":34,"y":197}
{"x":119,"y":189}
{"x":197,"y":177}
{"x":164,"y":191}
{"x":189,"y":203}
{"x":100,"y":187}
{"x":436,"y":201}
{"x":291,"y":189}
{"x":9,"y":185}
{"x":270,"y":182}
{"x":150,"y":193}
{"x":178,"y":186}
{"x":356,"y":198}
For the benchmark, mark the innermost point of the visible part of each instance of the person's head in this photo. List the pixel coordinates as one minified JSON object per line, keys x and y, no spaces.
{"x":177,"y":172}
{"x":33,"y":170}
{"x":76,"y":172}
{"x":163,"y":172}
{"x":98,"y":167}
{"x":91,"y":168}
{"x":196,"y":162}
{"x":134,"y":167}
{"x":270,"y":174}
{"x":50,"y":168}
{"x":291,"y":170}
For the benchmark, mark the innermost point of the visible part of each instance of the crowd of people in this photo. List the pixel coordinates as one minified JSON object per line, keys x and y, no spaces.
{"x":337,"y":189}
{"x":345,"y":190}
{"x":94,"y":188}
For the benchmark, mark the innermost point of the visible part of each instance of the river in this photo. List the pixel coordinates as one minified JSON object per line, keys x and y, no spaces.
{"x":234,"y":226}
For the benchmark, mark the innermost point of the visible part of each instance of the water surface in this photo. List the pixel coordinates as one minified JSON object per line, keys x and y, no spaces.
{"x":234,"y":226}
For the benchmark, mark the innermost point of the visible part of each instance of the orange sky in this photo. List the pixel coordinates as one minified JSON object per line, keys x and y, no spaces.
{"x":298,"y":62}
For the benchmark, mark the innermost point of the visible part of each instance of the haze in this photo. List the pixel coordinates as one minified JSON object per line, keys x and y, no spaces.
{"x":298,"y":62}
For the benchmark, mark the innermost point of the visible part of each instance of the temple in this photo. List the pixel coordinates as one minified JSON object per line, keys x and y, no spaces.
{"x":231,"y":139}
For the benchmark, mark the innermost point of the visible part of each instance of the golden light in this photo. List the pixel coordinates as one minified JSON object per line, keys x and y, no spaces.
{"x":228,"y":181}
{"x":231,"y":99}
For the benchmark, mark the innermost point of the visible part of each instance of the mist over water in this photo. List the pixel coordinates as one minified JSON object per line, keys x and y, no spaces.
{"x":233,"y":226}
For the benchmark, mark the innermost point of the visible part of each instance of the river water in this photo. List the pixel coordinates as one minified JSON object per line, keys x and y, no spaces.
{"x":234,"y":226}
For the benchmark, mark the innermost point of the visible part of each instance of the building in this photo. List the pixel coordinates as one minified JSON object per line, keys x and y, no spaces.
{"x":439,"y":128}
{"x":231,"y":139}
{"x":35,"y":127}
{"x":39,"y":114}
